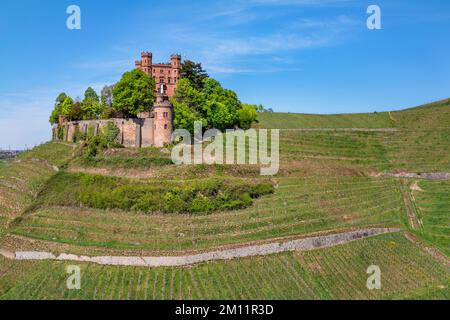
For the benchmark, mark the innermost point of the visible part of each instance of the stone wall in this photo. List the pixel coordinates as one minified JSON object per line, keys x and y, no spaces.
{"x":133,"y":132}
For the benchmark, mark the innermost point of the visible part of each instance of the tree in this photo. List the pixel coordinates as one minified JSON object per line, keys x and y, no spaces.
{"x":213,"y":105}
{"x":66,"y":106}
{"x":247,"y":115}
{"x":54,"y":117}
{"x":194,"y":73}
{"x":107,"y":96}
{"x":90,"y":95}
{"x":91,"y":104}
{"x":76,"y":112}
{"x":134,"y":93}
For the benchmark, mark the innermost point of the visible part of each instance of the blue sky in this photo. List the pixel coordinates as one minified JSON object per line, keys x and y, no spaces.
{"x":291,"y":55}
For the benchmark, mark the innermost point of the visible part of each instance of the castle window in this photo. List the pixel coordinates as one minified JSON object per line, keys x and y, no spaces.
{"x":161,"y":71}
{"x":165,"y":126}
{"x":168,"y":80}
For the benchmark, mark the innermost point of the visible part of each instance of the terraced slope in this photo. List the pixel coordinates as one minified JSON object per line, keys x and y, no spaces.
{"x":299,"y":206}
{"x":432,"y":199}
{"x":21,"y":179}
{"x":19,"y":183}
{"x":294,"y":120}
{"x":333,"y":273}
{"x":430,"y":116}
{"x":409,"y":150}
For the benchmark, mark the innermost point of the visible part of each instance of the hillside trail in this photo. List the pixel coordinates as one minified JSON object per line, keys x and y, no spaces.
{"x":227,"y":254}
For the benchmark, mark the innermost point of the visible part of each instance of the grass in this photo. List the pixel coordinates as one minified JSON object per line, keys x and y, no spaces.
{"x":435,"y":115}
{"x":140,"y":158}
{"x":332,"y":273}
{"x":299,"y":206}
{"x":328,"y":181}
{"x":57,"y":154}
{"x":295,"y":121}
{"x":433,"y":208}
{"x":409,"y":150}
{"x":19,"y":183}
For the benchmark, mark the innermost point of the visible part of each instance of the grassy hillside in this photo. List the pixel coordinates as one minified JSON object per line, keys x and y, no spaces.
{"x":294,"y":120}
{"x":299,"y":206}
{"x":333,"y":273}
{"x":410,"y":150}
{"x":433,"y":206}
{"x":433,"y":115}
{"x":54,"y":199}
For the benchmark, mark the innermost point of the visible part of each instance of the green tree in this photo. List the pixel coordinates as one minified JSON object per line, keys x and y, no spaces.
{"x":134,"y":93}
{"x":66,"y":106}
{"x":91,"y":104}
{"x":247,"y":115}
{"x":76,"y":112}
{"x":194,"y":73}
{"x":54,"y":117}
{"x":107,"y":96}
{"x":213,"y":105}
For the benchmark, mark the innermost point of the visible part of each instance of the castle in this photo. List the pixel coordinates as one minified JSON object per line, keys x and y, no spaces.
{"x":167,"y":74}
{"x":152,"y":127}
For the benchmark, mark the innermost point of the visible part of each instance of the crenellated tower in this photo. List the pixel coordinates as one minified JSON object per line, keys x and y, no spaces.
{"x":167,"y":74}
{"x":163,"y":120}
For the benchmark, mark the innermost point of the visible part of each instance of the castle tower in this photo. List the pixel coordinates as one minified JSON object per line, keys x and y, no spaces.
{"x":175,"y":61}
{"x":146,"y":62}
{"x":163,"y":119}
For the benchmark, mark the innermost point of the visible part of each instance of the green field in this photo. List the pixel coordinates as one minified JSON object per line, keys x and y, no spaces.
{"x":307,"y":121}
{"x":54,"y":199}
{"x":433,"y":206}
{"x":431,"y":116}
{"x":299,"y":206}
{"x":334,"y":273}
{"x":410,"y":150}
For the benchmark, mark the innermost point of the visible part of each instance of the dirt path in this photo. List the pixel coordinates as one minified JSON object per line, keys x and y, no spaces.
{"x":432,"y":251}
{"x":409,"y":205}
{"x":249,"y":251}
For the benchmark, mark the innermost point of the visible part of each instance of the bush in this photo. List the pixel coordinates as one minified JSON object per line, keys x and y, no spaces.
{"x":102,"y":192}
{"x":78,"y":135}
{"x":111,"y":134}
{"x":90,"y":132}
{"x":61,"y":132}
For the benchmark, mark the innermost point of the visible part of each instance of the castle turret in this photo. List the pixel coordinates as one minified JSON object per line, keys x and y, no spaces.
{"x":175,"y":61}
{"x":163,"y":120}
{"x":146,"y":62}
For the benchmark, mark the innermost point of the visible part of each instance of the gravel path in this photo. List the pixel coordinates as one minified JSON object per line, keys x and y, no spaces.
{"x":249,"y":251}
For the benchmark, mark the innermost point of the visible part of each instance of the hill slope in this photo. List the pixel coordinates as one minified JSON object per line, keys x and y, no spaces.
{"x":433,"y":115}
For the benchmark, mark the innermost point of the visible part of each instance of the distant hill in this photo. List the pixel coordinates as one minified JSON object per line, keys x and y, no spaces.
{"x":435,"y":114}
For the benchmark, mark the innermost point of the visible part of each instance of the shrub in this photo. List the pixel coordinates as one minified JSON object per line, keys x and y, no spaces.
{"x":61,"y":132}
{"x":102,"y":192}
{"x":111,"y":133}
{"x":90,"y":131}
{"x":78,"y":135}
